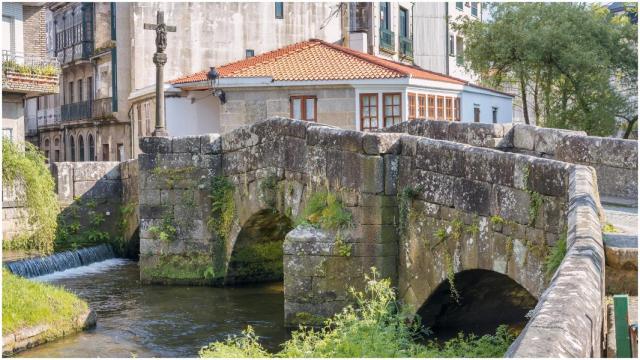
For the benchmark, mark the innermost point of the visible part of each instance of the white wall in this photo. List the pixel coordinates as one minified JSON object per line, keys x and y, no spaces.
{"x":197,"y":118}
{"x":486,"y":102}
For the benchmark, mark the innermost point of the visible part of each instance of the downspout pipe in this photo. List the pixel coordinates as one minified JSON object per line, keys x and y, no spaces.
{"x":446,"y":37}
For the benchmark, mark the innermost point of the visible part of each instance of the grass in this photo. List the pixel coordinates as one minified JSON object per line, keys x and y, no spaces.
{"x":326,"y":211}
{"x":378,"y":326}
{"x":27,"y":303}
{"x":182,"y":267}
{"x":553,"y":260}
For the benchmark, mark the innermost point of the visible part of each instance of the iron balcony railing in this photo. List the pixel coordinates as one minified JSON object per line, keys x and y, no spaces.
{"x":406,"y":47}
{"x":76,"y":111}
{"x":29,"y":64}
{"x":387,"y":40}
{"x":74,"y":43}
{"x":102,"y":107}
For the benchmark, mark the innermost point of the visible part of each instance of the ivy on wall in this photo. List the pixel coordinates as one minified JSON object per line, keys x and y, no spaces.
{"x":23,"y":164}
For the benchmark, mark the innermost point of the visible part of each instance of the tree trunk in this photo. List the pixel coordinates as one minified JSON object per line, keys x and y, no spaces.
{"x":523,"y":93}
{"x":630,"y":124}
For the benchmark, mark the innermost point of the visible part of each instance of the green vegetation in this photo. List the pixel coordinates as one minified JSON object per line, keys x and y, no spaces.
{"x":27,"y":303}
{"x":269,"y":188}
{"x":609,"y":228}
{"x":325,"y":210}
{"x":223,"y":207}
{"x":378,"y":326}
{"x":405,"y":197}
{"x":124,"y":214}
{"x":575,"y":64}
{"x":181,"y":267}
{"x":42,"y":70}
{"x":166,"y":230}
{"x":553,"y":260}
{"x":27,"y":167}
{"x":497,"y":220}
{"x":257,"y":261}
{"x":172,"y":176}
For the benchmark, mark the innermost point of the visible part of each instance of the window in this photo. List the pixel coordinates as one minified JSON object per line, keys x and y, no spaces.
{"x":392,"y":109}
{"x":70,"y":97}
{"x":422,"y":106}
{"x":120,"y":153}
{"x":456,"y":104}
{"x":90,"y":88}
{"x":147,"y":116}
{"x":476,"y":113}
{"x":81,"y":147}
{"x":459,"y":5}
{"x":249,"y":53}
{"x":56,"y":142}
{"x":47,"y":144}
{"x":368,"y":111}
{"x":46,"y":155}
{"x":459,"y":50}
{"x":139,"y":114}
{"x":404,"y":22}
{"x":303,"y":107}
{"x":105,"y":152}
{"x":452,"y":45}
{"x":440,"y":114}
{"x":7,"y":133}
{"x":279,"y":10}
{"x":384,"y":15}
{"x":432,"y":107}
{"x":449,"y":108}
{"x":494,"y":114}
{"x":92,"y":149}
{"x":8,"y":29}
{"x":474,"y":9}
{"x":72,"y":143}
{"x":412,"y":106}
{"x":80,"y":97}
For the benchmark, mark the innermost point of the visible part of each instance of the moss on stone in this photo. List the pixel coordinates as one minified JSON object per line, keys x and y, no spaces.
{"x":307,"y":319}
{"x":223,"y":207}
{"x":194,"y":266}
{"x":326,"y":211}
{"x":172,"y":175}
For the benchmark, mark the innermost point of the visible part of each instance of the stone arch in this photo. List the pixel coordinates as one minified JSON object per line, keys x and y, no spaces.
{"x":267,"y":198}
{"x":482,"y":300}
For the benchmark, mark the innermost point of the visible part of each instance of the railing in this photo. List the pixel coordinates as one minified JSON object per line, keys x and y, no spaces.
{"x":29,"y":64}
{"x":387,"y":40}
{"x":406,"y":47}
{"x":102,"y":107}
{"x":76,"y":111}
{"x":74,"y":43}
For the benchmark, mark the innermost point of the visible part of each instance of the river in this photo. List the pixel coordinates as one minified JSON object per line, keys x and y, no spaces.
{"x":136,"y":320}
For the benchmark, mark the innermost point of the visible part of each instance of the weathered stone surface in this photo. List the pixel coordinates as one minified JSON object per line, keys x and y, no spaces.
{"x":440,"y":157}
{"x":93,"y":171}
{"x":345,"y":140}
{"x":186,"y":144}
{"x":211,"y":144}
{"x":472,"y":196}
{"x":380,"y":143}
{"x":524,"y":137}
{"x":155,"y":145}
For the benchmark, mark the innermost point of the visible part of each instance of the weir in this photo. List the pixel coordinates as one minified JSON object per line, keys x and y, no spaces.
{"x":61,"y":261}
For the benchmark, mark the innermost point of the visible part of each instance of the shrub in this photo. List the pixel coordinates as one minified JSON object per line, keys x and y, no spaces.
{"x":553,"y":260}
{"x":377,"y":326}
{"x":26,"y":167}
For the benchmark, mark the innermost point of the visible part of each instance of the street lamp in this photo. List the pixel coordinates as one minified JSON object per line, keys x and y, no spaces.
{"x":213,"y":78}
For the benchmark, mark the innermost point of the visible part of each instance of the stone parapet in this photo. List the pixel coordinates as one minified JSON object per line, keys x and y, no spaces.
{"x":568,"y":319}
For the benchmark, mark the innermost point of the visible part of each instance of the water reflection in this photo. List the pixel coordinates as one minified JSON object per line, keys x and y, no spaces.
{"x":165,"y":321}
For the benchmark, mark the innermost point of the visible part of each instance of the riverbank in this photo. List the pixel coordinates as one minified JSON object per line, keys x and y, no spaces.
{"x":35,"y":313}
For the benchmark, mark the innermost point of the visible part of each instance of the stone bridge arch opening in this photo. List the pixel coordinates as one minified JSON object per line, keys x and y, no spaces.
{"x":487,"y":299}
{"x":258,"y":250}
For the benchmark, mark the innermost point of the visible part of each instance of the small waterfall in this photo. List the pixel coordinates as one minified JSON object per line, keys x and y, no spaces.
{"x":61,"y":261}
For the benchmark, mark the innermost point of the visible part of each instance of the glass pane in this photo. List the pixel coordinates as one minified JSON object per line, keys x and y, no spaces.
{"x":297,"y":109}
{"x":396,"y":99}
{"x":365,"y":101}
{"x":374,"y":111}
{"x":388,"y":111}
{"x":387,"y":100}
{"x":365,"y":112}
{"x":310,"y":107}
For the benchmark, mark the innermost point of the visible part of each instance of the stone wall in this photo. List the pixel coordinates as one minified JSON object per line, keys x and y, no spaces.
{"x":615,"y":160}
{"x":568,"y":319}
{"x":99,"y":203}
{"x":14,"y":214}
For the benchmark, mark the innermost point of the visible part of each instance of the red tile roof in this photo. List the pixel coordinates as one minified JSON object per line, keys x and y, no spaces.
{"x":318,"y":60}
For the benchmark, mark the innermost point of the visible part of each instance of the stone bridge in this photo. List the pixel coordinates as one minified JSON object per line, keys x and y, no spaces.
{"x":426,"y":209}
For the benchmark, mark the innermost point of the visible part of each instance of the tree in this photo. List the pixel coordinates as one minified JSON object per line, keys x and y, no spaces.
{"x":576,"y":61}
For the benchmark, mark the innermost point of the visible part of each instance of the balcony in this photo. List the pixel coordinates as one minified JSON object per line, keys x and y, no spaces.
{"x":29,"y":75}
{"x":76,"y":111}
{"x":85,"y":110}
{"x":387,"y":40}
{"x":102,"y":108}
{"x":406,"y":47}
{"x":50,"y":116}
{"x":74,"y":43}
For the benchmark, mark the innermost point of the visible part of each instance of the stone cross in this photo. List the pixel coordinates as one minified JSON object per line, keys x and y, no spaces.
{"x":160,"y":58}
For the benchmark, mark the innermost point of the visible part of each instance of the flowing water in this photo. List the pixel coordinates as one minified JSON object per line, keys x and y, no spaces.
{"x":161,"y":321}
{"x":42,"y":265}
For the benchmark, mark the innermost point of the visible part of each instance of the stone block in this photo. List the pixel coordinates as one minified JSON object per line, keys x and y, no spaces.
{"x":438,"y":130}
{"x":617,"y":182}
{"x":150,"y":197}
{"x":489,"y":166}
{"x":372,"y":174}
{"x":211,"y":144}
{"x":153,"y":211}
{"x":409,"y":144}
{"x":524,"y":137}
{"x":472,"y":196}
{"x":295,"y":155}
{"x":186,"y":144}
{"x":435,"y":188}
{"x":548,"y":177}
{"x":276,"y":127}
{"x":440,"y":157}
{"x":511,"y":204}
{"x":547,"y":140}
{"x":63,"y":175}
{"x":88,"y":171}
{"x":380,"y":143}
{"x":345,"y":140}
{"x":147,"y":162}
{"x":155,"y":145}
{"x":238,"y":139}
{"x":103,"y":189}
{"x":391,"y":173}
